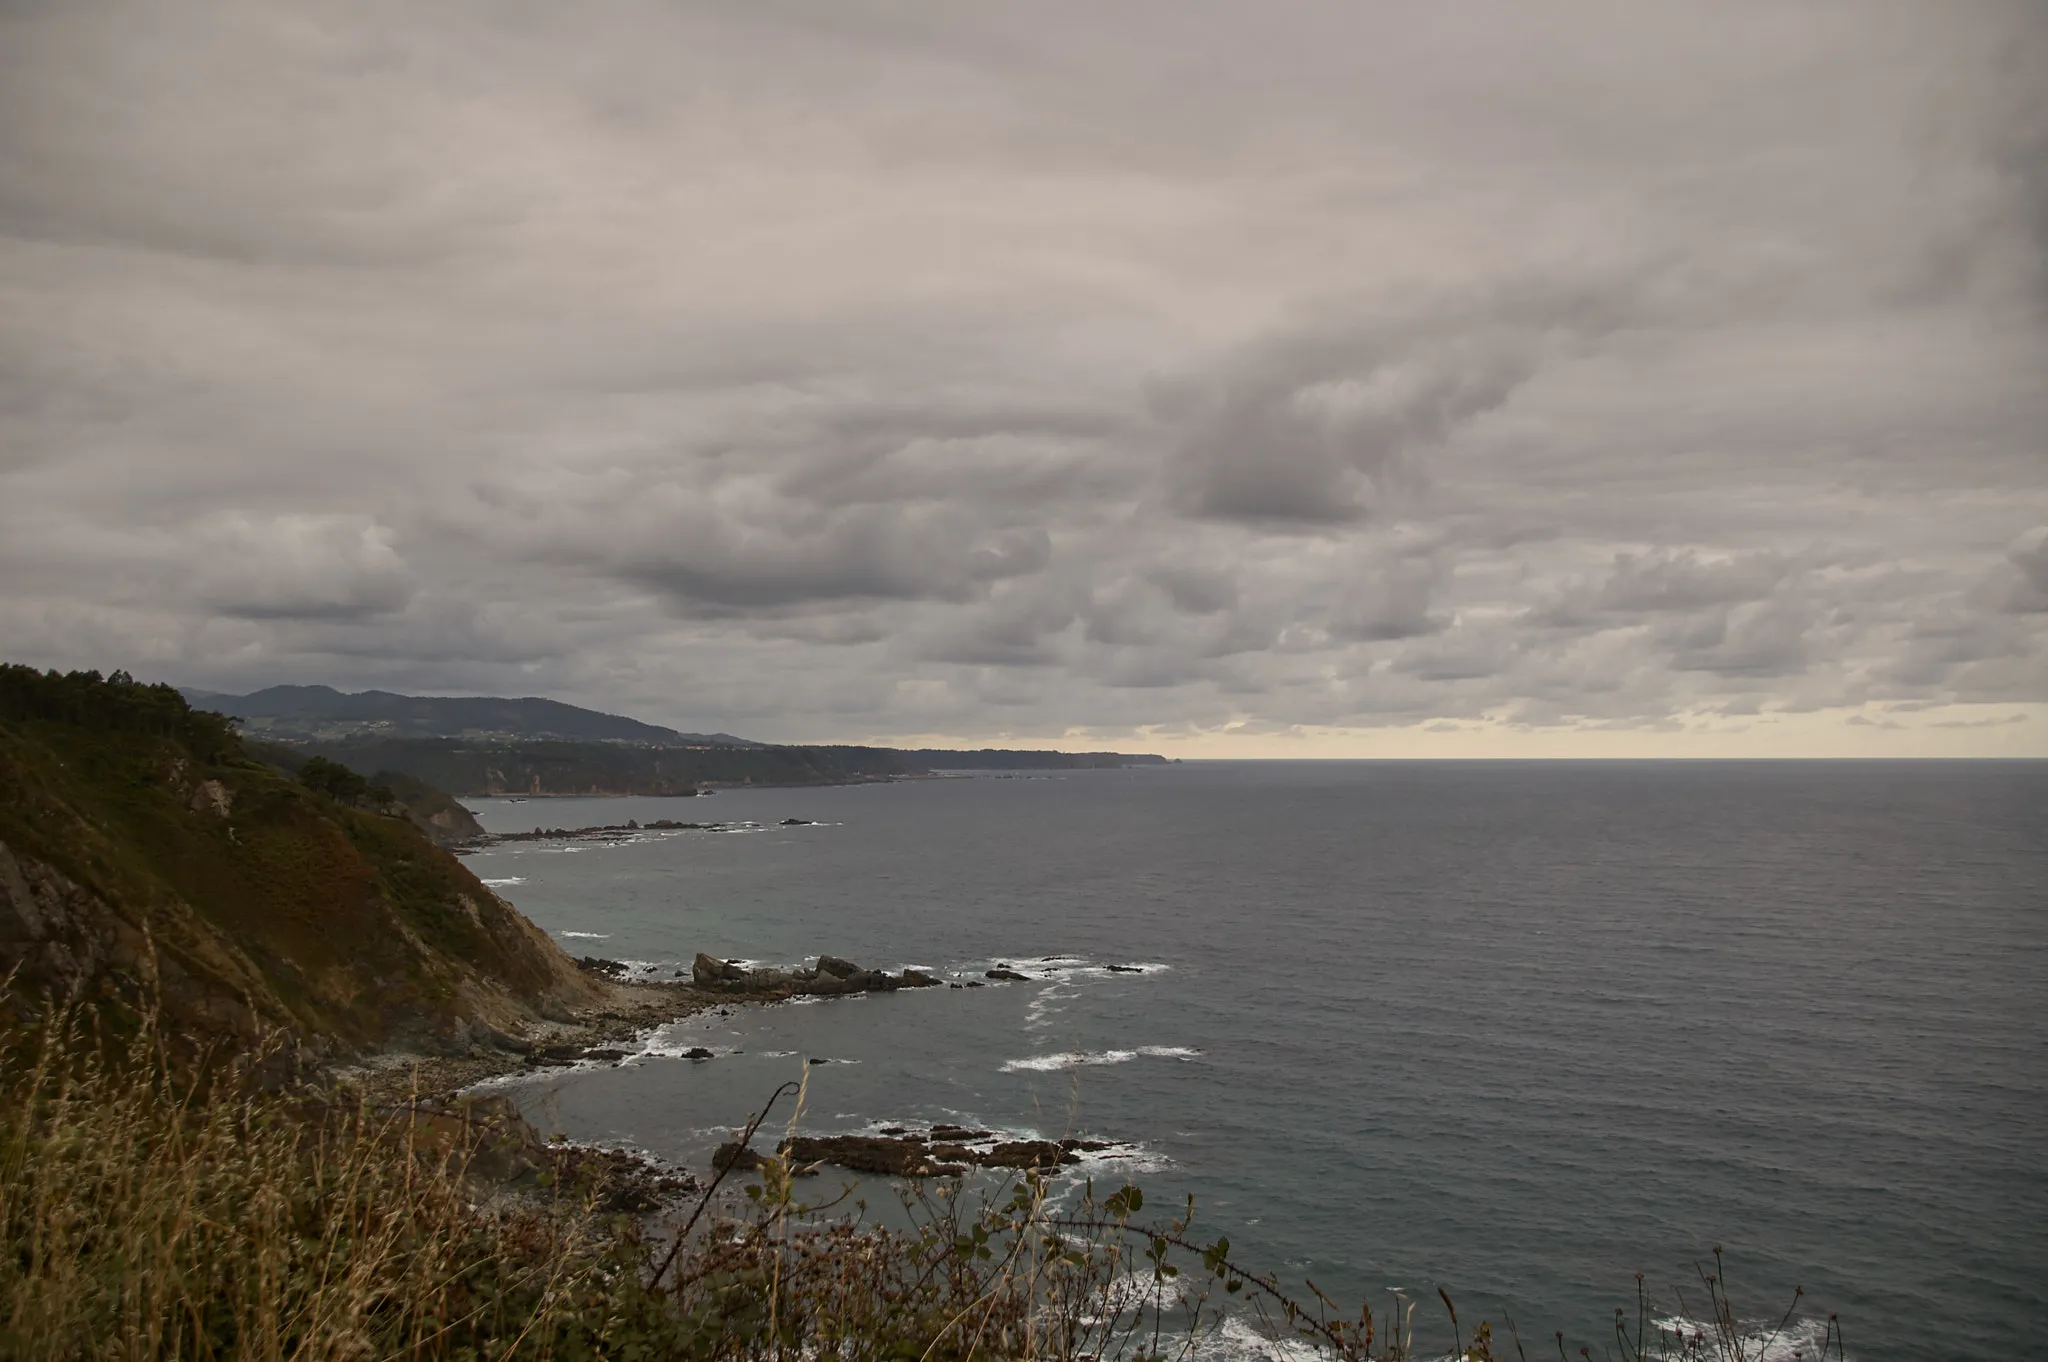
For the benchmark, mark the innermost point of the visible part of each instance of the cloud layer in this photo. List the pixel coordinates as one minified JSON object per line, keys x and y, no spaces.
{"x":1143,"y":373}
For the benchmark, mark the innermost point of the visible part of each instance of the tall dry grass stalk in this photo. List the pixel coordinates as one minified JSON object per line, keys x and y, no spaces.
{"x":151,"y":1214}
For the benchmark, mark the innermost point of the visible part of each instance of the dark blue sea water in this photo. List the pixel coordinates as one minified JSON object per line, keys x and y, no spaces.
{"x":1516,"y":1030}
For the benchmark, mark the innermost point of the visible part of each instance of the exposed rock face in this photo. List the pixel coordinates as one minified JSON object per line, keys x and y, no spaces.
{"x":707,"y":972}
{"x":1004,"y":974}
{"x":64,"y":940}
{"x":830,"y":976}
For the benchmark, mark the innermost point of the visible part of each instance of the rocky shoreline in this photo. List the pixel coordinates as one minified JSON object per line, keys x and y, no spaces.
{"x":942,"y":1152}
{"x":611,"y":832}
{"x":439,"y":1090}
{"x":831,"y":976}
{"x":624,"y":1013}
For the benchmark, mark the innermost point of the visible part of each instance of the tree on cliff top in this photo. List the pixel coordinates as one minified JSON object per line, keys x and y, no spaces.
{"x":341,"y":784}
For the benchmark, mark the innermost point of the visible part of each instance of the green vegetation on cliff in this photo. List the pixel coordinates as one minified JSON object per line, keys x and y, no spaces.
{"x":433,"y":811}
{"x":136,"y":835}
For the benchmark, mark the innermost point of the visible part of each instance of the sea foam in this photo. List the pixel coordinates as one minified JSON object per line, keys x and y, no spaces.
{"x":1077,"y":1059}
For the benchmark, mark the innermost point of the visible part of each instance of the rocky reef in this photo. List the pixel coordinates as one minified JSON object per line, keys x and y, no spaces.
{"x":830,"y":976}
{"x":941,"y":1152}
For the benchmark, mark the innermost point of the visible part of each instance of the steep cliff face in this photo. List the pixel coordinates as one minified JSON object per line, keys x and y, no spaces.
{"x":254,"y":901}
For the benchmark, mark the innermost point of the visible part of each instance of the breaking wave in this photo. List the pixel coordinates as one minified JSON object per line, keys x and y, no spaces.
{"x":1077,"y":1059}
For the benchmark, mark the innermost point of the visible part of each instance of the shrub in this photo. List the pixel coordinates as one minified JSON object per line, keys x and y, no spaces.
{"x":334,"y":780}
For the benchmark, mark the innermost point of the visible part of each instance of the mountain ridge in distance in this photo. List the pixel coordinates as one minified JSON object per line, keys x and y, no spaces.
{"x":317,"y":712}
{"x":485,"y":746}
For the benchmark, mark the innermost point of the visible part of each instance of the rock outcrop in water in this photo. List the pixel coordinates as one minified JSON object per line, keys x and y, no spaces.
{"x":945,"y":1151}
{"x":830,"y":976}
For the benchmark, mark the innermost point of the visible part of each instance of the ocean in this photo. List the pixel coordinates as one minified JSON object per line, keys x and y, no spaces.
{"x":1516,"y":1030}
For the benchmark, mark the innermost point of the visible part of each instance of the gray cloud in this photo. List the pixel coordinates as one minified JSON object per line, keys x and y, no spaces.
{"x":1684,"y":581}
{"x":299,"y":567}
{"x":1324,"y":424}
{"x":851,"y":370}
{"x":2029,"y":554}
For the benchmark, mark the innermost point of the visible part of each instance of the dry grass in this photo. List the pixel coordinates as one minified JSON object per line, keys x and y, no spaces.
{"x":150,"y":1214}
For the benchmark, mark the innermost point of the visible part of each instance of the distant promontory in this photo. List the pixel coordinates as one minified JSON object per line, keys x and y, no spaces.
{"x":480,"y":746}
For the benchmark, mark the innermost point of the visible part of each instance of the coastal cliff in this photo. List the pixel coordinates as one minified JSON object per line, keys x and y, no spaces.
{"x":142,"y":848}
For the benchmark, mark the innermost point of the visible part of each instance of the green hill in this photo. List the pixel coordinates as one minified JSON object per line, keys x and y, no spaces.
{"x":321,"y":712}
{"x":132,"y":825}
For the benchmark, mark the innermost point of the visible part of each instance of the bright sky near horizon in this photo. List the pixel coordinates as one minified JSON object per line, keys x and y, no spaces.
{"x":1248,"y":378}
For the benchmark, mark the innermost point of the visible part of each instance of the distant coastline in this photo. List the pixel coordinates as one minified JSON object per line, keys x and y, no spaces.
{"x":542,"y":768}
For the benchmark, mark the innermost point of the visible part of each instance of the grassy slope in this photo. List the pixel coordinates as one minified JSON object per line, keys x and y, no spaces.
{"x":348,"y":924}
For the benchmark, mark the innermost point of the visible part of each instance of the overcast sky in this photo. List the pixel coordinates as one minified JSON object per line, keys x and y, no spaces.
{"x":1261,"y":378}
